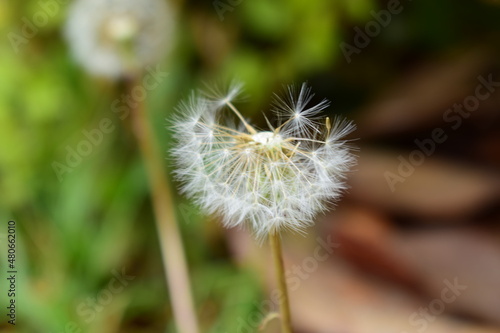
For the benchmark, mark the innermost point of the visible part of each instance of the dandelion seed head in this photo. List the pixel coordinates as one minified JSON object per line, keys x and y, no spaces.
{"x":270,"y":180}
{"x":115,"y":38}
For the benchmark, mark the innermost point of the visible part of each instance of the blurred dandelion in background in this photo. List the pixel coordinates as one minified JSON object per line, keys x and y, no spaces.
{"x":114,"y":38}
{"x":117,"y":39}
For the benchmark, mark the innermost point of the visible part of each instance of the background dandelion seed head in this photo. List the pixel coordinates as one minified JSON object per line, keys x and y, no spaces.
{"x":113,"y":38}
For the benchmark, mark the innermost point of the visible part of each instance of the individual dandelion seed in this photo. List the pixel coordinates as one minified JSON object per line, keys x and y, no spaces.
{"x":115,"y":38}
{"x":272,"y":180}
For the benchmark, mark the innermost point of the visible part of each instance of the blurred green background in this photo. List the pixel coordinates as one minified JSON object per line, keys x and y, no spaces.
{"x":75,"y":232}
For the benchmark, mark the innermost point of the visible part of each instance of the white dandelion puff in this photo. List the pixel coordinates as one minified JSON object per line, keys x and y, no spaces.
{"x":270,"y":180}
{"x":296,"y":109}
{"x":114,"y":38}
{"x":223,"y":94}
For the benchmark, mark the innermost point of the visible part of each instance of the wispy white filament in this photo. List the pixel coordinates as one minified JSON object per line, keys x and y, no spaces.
{"x":275,"y":179}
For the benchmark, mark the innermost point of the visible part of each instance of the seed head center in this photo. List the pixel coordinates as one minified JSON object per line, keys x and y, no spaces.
{"x":121,"y":27}
{"x":268,"y":139}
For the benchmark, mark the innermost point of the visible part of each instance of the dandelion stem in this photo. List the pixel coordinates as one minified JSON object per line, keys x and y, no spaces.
{"x":172,"y":249}
{"x":275,"y":241}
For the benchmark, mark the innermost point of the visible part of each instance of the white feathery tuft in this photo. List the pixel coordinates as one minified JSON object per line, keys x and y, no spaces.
{"x":269,"y":180}
{"x":295,"y":108}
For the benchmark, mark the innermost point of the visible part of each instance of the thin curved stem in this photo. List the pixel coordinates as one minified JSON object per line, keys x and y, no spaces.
{"x":172,"y":249}
{"x":275,"y":242}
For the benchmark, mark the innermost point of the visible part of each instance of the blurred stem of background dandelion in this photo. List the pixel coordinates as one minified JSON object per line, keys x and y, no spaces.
{"x":172,"y":249}
{"x":116,"y":40}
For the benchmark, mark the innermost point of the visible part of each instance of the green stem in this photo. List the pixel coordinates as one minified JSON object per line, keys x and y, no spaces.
{"x":275,"y":241}
{"x":172,"y":249}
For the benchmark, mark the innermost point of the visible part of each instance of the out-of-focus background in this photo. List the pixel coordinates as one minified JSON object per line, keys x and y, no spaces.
{"x":414,"y":246}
